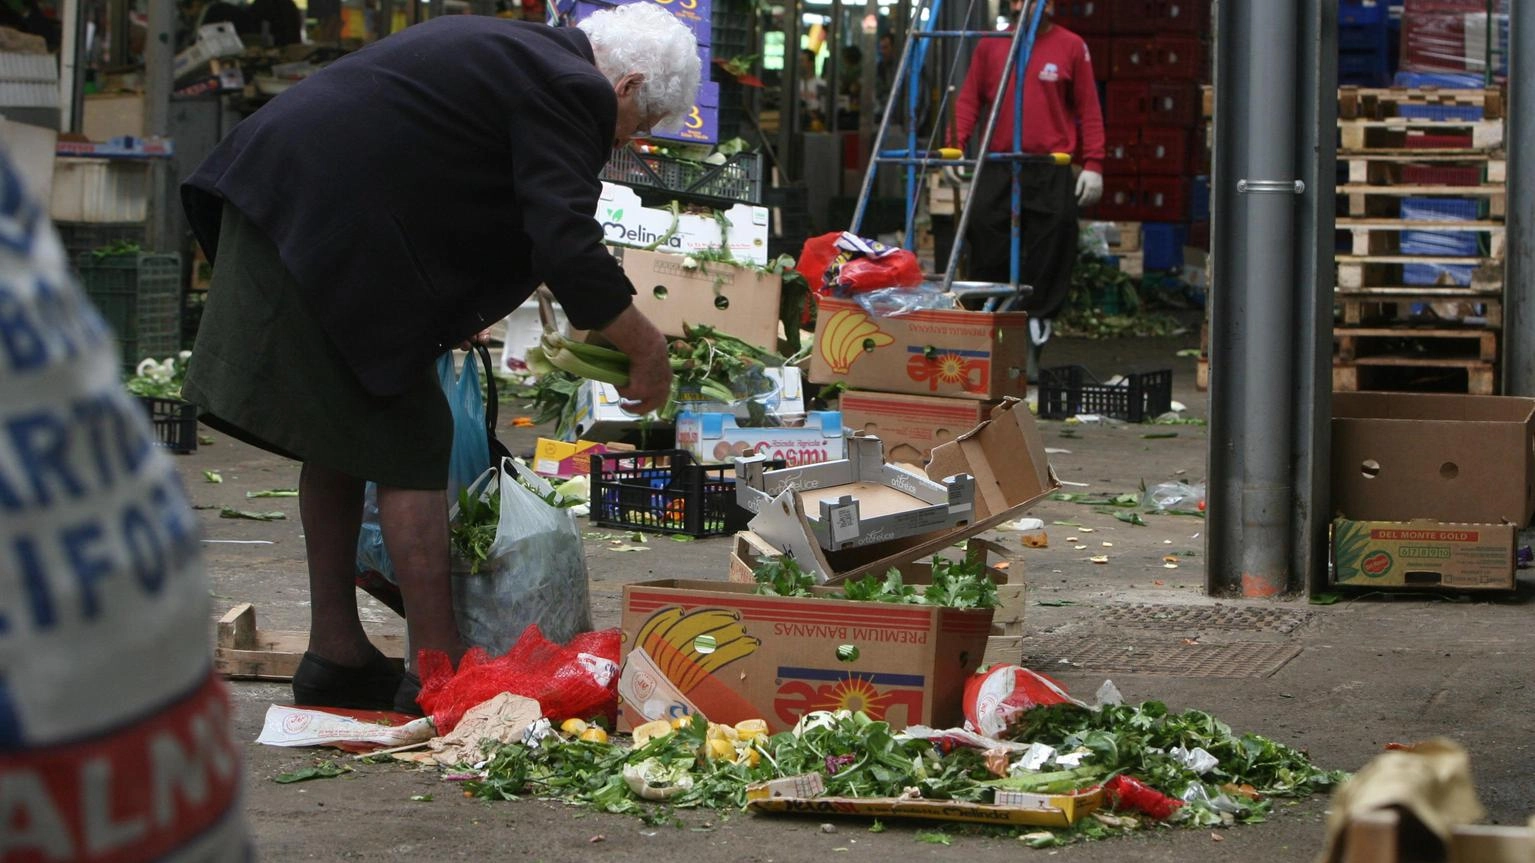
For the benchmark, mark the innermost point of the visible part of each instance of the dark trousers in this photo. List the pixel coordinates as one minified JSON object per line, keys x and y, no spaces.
{"x":1048,"y":232}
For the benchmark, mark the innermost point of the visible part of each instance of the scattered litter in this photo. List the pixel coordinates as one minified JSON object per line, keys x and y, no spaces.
{"x":1079,"y":547}
{"x":323,"y":770}
{"x":1050,"y":450}
{"x":295,"y":726}
{"x":1099,"y":558}
{"x":1022,"y":524}
{"x":1087,"y":530}
{"x":230,"y":512}
{"x":1108,"y":545}
{"x":1131,"y":518}
{"x":1075,"y":484}
{"x":1169,"y":565}
{"x":273,"y":492}
{"x":238,"y":541}
{"x":212,"y":476}
{"x":205,"y":440}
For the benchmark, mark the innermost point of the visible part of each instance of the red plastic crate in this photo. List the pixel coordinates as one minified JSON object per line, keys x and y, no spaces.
{"x":1442,"y":175}
{"x":1172,"y":104}
{"x":1161,"y":16}
{"x":1121,"y":201}
{"x":1199,"y":235}
{"x":1178,"y":58}
{"x":1125,"y":103}
{"x":1100,"y":54}
{"x":1131,"y":57}
{"x":1437,"y":141}
{"x":1164,"y":152}
{"x":1121,"y":150}
{"x":1164,"y":199}
{"x":1086,"y":17}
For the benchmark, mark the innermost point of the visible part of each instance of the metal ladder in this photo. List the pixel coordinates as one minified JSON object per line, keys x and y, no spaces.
{"x":918,"y":161}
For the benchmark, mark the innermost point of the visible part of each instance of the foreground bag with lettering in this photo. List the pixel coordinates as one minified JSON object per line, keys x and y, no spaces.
{"x":114,"y":729}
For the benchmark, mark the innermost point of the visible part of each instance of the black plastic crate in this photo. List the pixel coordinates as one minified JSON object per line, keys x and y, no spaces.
{"x":1065,"y":391}
{"x":81,"y":237}
{"x":739,"y":179}
{"x":139,"y":295}
{"x":665,"y":491}
{"x":175,"y":423}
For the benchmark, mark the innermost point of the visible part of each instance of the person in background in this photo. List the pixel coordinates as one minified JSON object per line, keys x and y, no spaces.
{"x":333,"y":293}
{"x":812,"y":93}
{"x":1061,"y":114}
{"x":884,"y":69}
{"x":849,"y":87}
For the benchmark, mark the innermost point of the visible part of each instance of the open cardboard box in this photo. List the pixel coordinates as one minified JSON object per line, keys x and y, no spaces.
{"x":779,"y":657}
{"x":1005,"y":456}
{"x":911,"y":425}
{"x":735,"y":300}
{"x":1430,"y":490}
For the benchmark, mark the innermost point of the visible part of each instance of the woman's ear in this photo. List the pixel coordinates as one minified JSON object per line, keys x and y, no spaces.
{"x":630,"y":83}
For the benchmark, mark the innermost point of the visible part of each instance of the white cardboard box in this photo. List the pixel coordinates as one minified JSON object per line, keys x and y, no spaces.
{"x":599,"y":417}
{"x":627,"y":222}
{"x":716,"y":437}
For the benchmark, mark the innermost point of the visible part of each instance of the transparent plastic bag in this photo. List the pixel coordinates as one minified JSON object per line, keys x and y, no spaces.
{"x":893,"y":302}
{"x":1170,"y":496}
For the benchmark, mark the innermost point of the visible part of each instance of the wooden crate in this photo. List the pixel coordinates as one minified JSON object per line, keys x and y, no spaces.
{"x":1381,"y":103}
{"x":243,"y":652}
{"x":1469,"y":376}
{"x":1393,"y":306}
{"x":1386,"y":169}
{"x":1364,"y":200}
{"x":1380,"y":837}
{"x":1380,"y":236}
{"x":1353,"y":344}
{"x":1385,"y":271}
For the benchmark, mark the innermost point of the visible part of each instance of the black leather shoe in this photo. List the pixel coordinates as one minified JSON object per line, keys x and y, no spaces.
{"x":319,"y":682}
{"x":407,"y":693}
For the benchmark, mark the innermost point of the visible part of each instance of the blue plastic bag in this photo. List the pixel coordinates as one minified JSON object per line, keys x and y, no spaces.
{"x":470,"y":458}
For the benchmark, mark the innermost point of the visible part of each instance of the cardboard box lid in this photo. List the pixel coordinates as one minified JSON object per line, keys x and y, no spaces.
{"x":1453,"y":458}
{"x":1006,"y":455}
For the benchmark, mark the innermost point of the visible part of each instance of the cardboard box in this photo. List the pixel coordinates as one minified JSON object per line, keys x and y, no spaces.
{"x":627,"y":222}
{"x":789,"y":796}
{"x":735,"y":300}
{"x":717,"y":437}
{"x":777,"y":658}
{"x":910,"y":425}
{"x":565,"y":459}
{"x":599,"y":415}
{"x":1450,"y":458}
{"x":1419,"y":554}
{"x":1005,"y":456}
{"x":979,"y":355}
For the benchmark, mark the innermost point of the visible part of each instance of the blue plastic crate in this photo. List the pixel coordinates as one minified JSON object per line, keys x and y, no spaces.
{"x":1446,"y":243}
{"x":1199,"y":198}
{"x":1162,"y":245}
{"x":1371,"y":37}
{"x":1361,"y":13}
{"x":1440,"y":112}
{"x":1442,"y":80}
{"x":1364,"y":68}
{"x":1430,"y":274}
{"x":1416,"y":209}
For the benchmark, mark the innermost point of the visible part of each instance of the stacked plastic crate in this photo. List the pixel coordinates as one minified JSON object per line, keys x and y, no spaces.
{"x":1420,"y":239}
{"x":1150,"y":57}
{"x":1364,"y":45}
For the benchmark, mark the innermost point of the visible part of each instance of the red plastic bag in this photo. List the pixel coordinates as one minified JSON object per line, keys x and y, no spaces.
{"x":993,"y":698}
{"x":816,"y":257}
{"x":1127,"y":792}
{"x":842,"y":264}
{"x":898,"y":269}
{"x":579,"y":678}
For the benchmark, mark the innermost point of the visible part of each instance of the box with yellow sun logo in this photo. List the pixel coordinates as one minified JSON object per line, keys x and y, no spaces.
{"x":719,"y":649}
{"x":934,"y":352}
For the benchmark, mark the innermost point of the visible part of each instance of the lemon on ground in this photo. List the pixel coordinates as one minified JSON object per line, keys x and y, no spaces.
{"x":573,"y":726}
{"x":594,"y":735}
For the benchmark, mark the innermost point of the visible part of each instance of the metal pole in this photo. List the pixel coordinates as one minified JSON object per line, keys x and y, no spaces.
{"x":1253,"y":350}
{"x":72,"y":64}
{"x":792,"y":121}
{"x":1518,"y":301}
{"x":159,"y":59}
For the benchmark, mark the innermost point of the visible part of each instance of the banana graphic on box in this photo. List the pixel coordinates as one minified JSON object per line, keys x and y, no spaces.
{"x":846,"y":336}
{"x":676,"y":652}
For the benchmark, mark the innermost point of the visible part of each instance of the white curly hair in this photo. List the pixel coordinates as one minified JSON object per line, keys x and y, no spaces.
{"x":642,"y":37}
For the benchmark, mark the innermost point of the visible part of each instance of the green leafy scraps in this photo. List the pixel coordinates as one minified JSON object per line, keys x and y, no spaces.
{"x":935,"y":838}
{"x":273,"y":492}
{"x":231,"y":512}
{"x":212,"y":476}
{"x":473,"y":532}
{"x":323,"y":770}
{"x":781,"y":576}
{"x":1159,"y":435}
{"x":1131,"y":518}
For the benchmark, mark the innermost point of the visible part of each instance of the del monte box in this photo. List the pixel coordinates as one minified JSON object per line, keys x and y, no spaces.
{"x":946,"y":352}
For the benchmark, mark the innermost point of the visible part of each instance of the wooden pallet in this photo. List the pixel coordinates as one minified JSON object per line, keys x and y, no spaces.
{"x":1362,"y":136}
{"x":1371,"y":236}
{"x":1365,"y":344}
{"x":1386,"y":201}
{"x":1380,"y":103}
{"x":1385,"y":169}
{"x":1393,"y":306}
{"x":1356,"y":272}
{"x":1472,"y":377}
{"x":243,"y":652}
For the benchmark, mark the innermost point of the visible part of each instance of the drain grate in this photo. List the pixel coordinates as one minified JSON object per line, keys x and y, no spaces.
{"x":1248,"y":618}
{"x":1156,"y":656}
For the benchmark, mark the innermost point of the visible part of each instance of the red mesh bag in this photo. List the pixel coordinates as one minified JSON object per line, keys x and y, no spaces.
{"x":578,"y":678}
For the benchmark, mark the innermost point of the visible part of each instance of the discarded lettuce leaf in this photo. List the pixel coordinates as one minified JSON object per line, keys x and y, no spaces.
{"x":1131,"y":518}
{"x":230,"y":512}
{"x":323,"y":770}
{"x":212,"y":476}
{"x":935,"y":838}
{"x":273,"y":492}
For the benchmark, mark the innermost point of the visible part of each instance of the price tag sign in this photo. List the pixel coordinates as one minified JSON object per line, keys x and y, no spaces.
{"x":844,"y":523}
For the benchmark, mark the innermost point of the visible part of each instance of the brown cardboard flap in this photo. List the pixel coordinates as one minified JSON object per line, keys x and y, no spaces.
{"x":1006,"y":455}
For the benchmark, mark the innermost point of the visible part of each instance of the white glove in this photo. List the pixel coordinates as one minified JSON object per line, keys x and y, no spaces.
{"x":1089,"y":188}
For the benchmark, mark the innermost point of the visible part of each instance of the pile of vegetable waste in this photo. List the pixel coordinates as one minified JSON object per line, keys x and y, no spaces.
{"x":1159,"y":769}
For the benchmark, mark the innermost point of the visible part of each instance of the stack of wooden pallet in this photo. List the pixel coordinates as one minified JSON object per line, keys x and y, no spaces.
{"x":1420,"y":223}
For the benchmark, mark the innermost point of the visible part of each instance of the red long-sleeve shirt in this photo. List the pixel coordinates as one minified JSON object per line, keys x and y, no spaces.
{"x":1060,"y":98}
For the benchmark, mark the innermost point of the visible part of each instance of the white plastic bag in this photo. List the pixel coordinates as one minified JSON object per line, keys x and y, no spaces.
{"x":535,"y":572}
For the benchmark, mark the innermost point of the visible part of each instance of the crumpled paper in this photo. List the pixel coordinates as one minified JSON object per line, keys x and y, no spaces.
{"x":502,"y":719}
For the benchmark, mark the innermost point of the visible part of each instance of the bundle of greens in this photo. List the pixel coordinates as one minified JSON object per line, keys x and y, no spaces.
{"x":954,"y":584}
{"x":473,"y":532}
{"x":159,"y":378}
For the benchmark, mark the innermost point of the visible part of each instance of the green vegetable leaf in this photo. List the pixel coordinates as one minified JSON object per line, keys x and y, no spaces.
{"x":273,"y":492}
{"x":935,"y":838}
{"x":230,"y":512}
{"x":212,"y":476}
{"x":1131,"y":518}
{"x":323,"y":770}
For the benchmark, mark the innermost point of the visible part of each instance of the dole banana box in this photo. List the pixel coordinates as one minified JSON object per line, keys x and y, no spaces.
{"x":719,"y":649}
{"x":931,"y":352}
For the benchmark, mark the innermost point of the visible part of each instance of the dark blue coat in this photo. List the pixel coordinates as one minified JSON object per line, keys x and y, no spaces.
{"x":420,"y":188}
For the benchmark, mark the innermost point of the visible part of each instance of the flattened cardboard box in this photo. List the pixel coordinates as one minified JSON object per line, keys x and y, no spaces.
{"x":719,"y":649}
{"x":1450,"y":458}
{"x":978,"y":355}
{"x":911,"y":425}
{"x":1419,"y":554}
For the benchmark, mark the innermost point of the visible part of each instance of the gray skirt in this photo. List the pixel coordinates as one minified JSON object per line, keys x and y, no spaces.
{"x":263,"y":371}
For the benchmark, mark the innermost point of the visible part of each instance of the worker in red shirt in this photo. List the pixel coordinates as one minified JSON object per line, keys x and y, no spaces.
{"x":1060,"y":115}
